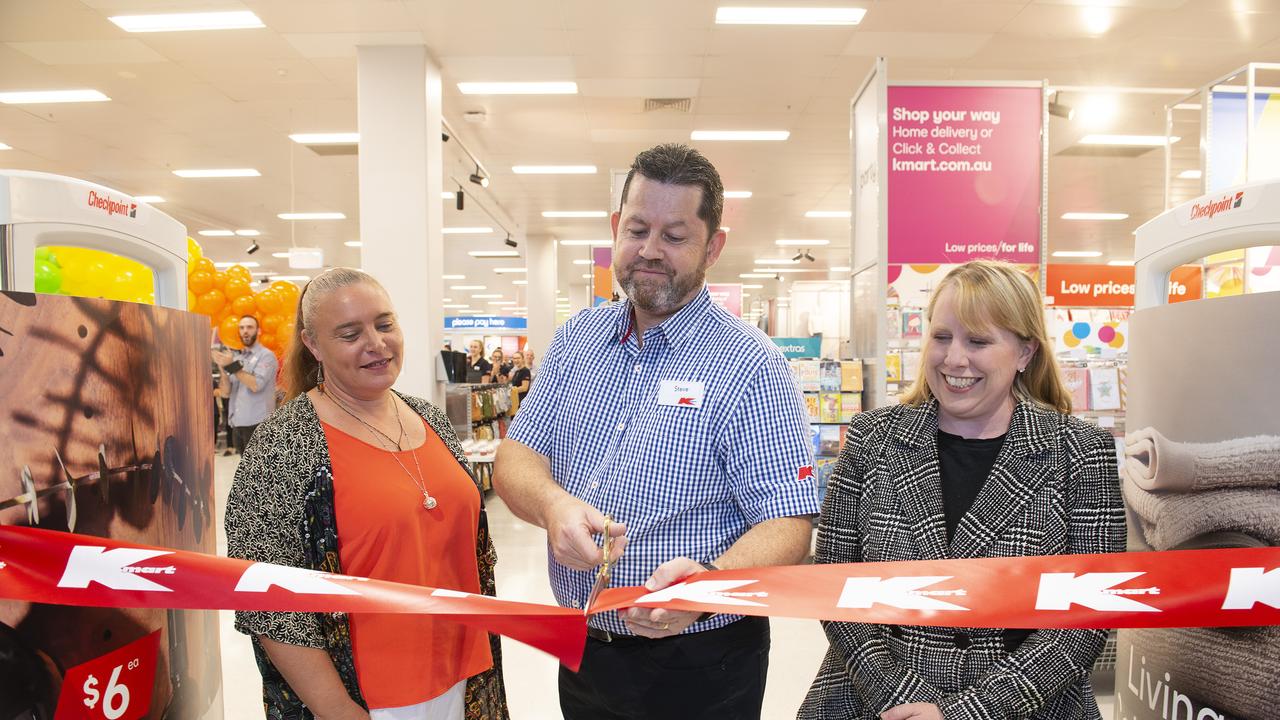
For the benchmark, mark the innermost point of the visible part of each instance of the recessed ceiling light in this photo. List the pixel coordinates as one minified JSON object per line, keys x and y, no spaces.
{"x":1094,"y":216}
{"x":7,"y":147}
{"x":216,"y":233}
{"x":724,"y":228}
{"x":494,"y":253}
{"x":1096,"y":19}
{"x":339,"y":138}
{"x":760,"y":275}
{"x":466,"y":230}
{"x":467,"y":287}
{"x":487,"y":296}
{"x":453,"y":277}
{"x":1129,"y":140}
{"x":519,"y":282}
{"x":510,"y":270}
{"x":218,"y":173}
{"x":248,"y":233}
{"x":447,"y":195}
{"x":789,"y":16}
{"x":312,"y":216}
{"x":149,"y":199}
{"x":574,"y":214}
{"x":353,"y":243}
{"x":841,"y":269}
{"x":1077,"y":254}
{"x":518,"y":88}
{"x":1120,"y":263}
{"x":586,"y":243}
{"x":36,"y":97}
{"x":280,"y":255}
{"x":776,"y":261}
{"x":800,"y":242}
{"x":554,"y":169}
{"x":177,"y":22}
{"x":829,"y":214}
{"x":740,"y":135}
{"x":584,"y":262}
{"x":246,"y":263}
{"x":1190,"y":175}
{"x":736,"y":194}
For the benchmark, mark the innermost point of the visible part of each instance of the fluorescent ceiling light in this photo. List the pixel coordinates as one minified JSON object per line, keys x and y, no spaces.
{"x":752,"y":287}
{"x":586,"y":243}
{"x":176,"y":22}
{"x":353,"y":243}
{"x":764,"y":135}
{"x":312,"y":216}
{"x":1190,"y":175}
{"x":587,"y":276}
{"x":786,"y":270}
{"x":554,"y":169}
{"x":1094,"y":216}
{"x":341,"y":138}
{"x":1077,"y":254}
{"x":502,"y":302}
{"x":453,"y":277}
{"x":518,"y":88}
{"x":246,"y":263}
{"x":789,"y":16}
{"x":776,"y":261}
{"x":1120,"y":263}
{"x":519,"y":282}
{"x":216,"y":233}
{"x":36,"y":97}
{"x":736,"y":194}
{"x":511,"y":270}
{"x":455,"y":307}
{"x":487,"y":296}
{"x":218,"y":173}
{"x":150,"y":199}
{"x":447,"y":195}
{"x":466,"y":230}
{"x":248,"y":233}
{"x":467,"y":287}
{"x":494,"y":253}
{"x":471,"y":312}
{"x":841,"y":268}
{"x":280,"y":255}
{"x":7,"y":147}
{"x":1129,"y":140}
{"x":574,"y":214}
{"x":829,"y":214}
{"x":1096,"y":19}
{"x":446,"y":300}
{"x":756,"y":275}
{"x":799,"y":243}
{"x":583,"y":262}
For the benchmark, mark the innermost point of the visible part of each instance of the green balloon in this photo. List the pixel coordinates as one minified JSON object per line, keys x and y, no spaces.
{"x":48,"y":277}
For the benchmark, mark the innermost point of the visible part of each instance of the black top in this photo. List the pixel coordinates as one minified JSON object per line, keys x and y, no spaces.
{"x":965,"y":465}
{"x":477,"y":369}
{"x":518,"y":379}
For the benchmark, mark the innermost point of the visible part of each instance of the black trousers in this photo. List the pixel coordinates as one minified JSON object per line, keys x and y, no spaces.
{"x":241,"y":437}
{"x":714,"y":674}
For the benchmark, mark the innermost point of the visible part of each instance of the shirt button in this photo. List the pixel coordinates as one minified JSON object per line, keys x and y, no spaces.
{"x":622,"y":426}
{"x":595,"y":485}
{"x":639,"y":368}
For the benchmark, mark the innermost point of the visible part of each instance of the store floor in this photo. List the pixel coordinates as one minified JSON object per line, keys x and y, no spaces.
{"x":522,"y":575}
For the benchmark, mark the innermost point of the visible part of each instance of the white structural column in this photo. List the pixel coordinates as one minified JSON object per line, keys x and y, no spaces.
{"x":540,"y":259}
{"x":399,"y":104}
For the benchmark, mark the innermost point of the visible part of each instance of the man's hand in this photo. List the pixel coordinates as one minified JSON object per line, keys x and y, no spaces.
{"x":661,"y":622}
{"x":571,"y":524}
{"x":222,"y":357}
{"x":913,"y":711}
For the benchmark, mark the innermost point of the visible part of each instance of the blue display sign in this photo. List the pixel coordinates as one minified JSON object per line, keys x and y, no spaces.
{"x":806,"y":347}
{"x":485,"y":322}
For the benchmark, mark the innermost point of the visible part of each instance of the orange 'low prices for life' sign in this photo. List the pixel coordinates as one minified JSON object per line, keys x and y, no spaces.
{"x":1075,"y":285}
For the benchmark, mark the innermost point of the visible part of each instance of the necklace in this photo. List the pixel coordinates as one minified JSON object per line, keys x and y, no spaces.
{"x":428,"y":502}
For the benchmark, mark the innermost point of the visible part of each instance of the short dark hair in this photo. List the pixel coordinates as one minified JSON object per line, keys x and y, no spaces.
{"x":254,"y":318}
{"x":679,"y":164}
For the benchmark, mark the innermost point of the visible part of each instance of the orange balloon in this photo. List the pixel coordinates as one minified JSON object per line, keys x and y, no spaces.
{"x":200,"y":282}
{"x":286,"y":329}
{"x":239,"y":271}
{"x":211,"y":303}
{"x":269,"y":302}
{"x":191,"y":300}
{"x":244,"y":305}
{"x":271,"y":323}
{"x":287,"y":291}
{"x":235,"y":287}
{"x":229,"y":333}
{"x":219,"y":279}
{"x":268,"y":341}
{"x":204,"y":264}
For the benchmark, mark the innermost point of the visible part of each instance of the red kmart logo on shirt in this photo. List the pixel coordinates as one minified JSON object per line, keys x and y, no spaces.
{"x":112,"y":207}
{"x":804,"y":473}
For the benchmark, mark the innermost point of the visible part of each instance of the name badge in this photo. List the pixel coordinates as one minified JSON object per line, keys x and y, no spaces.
{"x":680,"y":394}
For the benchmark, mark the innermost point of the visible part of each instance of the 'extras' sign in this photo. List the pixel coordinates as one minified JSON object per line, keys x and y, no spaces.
{"x":1079,"y":285}
{"x":112,"y":207}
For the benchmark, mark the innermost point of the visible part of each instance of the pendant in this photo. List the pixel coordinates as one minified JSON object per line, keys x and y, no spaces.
{"x":428,"y":502}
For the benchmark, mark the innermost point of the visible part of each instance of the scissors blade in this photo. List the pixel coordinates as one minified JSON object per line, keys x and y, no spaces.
{"x":602,"y":575}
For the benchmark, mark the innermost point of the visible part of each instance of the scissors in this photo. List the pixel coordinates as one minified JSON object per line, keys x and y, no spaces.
{"x":602,"y":575}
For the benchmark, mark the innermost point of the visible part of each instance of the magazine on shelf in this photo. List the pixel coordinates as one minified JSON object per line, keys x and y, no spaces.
{"x":830,"y":407}
{"x":851,"y":375}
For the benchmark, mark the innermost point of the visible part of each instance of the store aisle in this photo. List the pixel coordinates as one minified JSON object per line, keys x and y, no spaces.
{"x":531,"y":676}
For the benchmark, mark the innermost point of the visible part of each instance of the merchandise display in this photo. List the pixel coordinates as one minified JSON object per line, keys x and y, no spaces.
{"x":832,"y":395}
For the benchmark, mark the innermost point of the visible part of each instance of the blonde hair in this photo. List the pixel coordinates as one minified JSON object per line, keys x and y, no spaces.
{"x":990,"y":293}
{"x":301,"y":368}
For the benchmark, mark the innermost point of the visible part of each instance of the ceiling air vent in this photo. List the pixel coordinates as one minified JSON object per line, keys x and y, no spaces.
{"x":674,"y":104}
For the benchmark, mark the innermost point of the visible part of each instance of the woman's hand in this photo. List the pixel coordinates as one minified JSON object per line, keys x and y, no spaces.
{"x":913,"y":711}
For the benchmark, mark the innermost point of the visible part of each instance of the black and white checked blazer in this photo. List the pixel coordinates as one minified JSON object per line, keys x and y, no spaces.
{"x":1053,"y":490}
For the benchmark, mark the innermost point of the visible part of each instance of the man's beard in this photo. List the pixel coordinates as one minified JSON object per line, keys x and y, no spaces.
{"x":253,"y":339}
{"x":659,"y":296}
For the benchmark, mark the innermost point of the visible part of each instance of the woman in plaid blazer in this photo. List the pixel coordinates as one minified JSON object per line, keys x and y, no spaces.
{"x":981,"y":459}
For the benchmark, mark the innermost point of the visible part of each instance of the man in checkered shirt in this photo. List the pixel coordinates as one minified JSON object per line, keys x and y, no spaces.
{"x":685,"y":426}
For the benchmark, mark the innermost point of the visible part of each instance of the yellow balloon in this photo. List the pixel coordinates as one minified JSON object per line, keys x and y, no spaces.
{"x":194,"y":251}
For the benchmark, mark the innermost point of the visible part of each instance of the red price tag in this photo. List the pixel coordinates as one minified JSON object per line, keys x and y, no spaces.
{"x":115,"y":686}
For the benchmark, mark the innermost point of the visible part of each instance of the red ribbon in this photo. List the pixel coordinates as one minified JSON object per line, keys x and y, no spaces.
{"x":1193,"y":588}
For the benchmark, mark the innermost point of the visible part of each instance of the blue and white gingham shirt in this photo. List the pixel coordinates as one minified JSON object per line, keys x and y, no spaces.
{"x":687,"y":482}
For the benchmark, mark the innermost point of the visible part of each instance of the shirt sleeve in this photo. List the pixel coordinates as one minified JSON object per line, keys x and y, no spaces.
{"x":534,"y":424}
{"x":767,"y":451}
{"x":264,"y":371}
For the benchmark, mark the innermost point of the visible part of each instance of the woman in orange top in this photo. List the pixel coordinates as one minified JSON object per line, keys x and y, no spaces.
{"x":349,"y":476}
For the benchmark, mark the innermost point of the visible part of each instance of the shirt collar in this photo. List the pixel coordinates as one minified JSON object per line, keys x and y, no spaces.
{"x":676,"y":328}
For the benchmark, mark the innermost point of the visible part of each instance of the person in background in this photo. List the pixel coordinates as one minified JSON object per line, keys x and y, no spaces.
{"x":501,"y":368}
{"x":248,"y":380}
{"x":528,"y":361}
{"x":520,"y":376}
{"x":349,"y":476}
{"x":981,"y":459}
{"x":480,"y":370}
